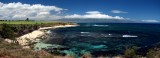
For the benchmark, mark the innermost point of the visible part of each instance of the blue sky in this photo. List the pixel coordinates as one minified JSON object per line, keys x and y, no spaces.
{"x":133,"y":9}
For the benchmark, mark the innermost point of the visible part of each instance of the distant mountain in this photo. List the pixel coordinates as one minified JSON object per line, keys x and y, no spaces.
{"x":96,"y":21}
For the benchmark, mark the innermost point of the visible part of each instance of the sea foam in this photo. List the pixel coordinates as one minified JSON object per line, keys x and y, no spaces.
{"x":84,"y":32}
{"x":101,"y":25}
{"x":129,"y":36}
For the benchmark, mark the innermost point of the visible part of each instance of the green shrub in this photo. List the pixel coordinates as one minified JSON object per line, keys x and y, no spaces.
{"x":7,"y":32}
{"x":130,"y":53}
{"x":153,"y":53}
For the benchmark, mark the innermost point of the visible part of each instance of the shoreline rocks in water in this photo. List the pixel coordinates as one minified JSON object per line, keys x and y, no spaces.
{"x":41,"y":45}
{"x":32,"y":37}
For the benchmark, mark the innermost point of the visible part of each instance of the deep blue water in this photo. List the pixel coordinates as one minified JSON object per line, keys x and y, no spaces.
{"x":106,"y":38}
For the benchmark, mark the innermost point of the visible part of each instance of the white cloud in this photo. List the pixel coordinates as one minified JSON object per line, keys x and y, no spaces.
{"x":93,"y":15}
{"x":37,"y":11}
{"x":152,"y":21}
{"x":1,"y":4}
{"x":93,"y":12}
{"x":22,"y":11}
{"x":118,"y":11}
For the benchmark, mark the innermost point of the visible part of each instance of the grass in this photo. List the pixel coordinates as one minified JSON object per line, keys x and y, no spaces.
{"x":40,"y":23}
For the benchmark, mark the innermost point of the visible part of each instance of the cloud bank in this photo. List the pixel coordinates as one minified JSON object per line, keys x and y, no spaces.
{"x":35,"y":11}
{"x":22,"y":11}
{"x":150,"y":21}
{"x":118,"y":11}
{"x":93,"y":15}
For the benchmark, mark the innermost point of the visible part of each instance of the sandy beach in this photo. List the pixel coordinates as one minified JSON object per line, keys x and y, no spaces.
{"x":30,"y":37}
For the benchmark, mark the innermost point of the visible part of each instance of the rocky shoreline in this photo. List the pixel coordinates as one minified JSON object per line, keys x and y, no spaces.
{"x":33,"y":37}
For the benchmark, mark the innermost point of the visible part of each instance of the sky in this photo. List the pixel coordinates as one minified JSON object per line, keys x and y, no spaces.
{"x":137,"y":10}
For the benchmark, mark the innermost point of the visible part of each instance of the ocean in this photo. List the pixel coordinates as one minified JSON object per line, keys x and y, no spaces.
{"x":106,"y":38}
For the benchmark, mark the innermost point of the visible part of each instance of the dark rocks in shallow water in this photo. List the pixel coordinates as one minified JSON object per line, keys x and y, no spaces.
{"x":106,"y":53}
{"x":86,"y":46}
{"x":56,"y":41}
{"x":40,"y":46}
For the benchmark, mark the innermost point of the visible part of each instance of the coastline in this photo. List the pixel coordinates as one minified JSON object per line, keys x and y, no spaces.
{"x":32,"y":37}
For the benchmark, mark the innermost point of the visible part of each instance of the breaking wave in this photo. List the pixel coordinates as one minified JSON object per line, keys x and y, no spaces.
{"x":84,"y":32}
{"x":129,"y":36}
{"x":101,"y":25}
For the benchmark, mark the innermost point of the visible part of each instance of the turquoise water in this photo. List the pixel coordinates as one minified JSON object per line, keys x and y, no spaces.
{"x":106,"y":38}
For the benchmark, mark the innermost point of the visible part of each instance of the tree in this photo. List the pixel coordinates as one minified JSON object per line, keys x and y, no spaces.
{"x":27,"y":19}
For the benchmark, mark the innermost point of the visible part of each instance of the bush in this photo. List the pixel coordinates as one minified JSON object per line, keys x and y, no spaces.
{"x":130,"y":53}
{"x":7,"y":32}
{"x":153,"y":53}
